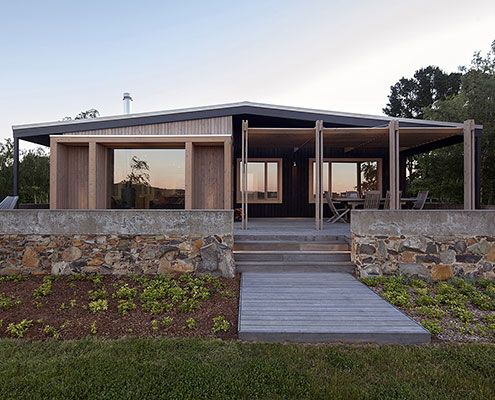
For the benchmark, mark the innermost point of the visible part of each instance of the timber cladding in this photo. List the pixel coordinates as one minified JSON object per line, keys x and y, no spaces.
{"x":207,"y":126}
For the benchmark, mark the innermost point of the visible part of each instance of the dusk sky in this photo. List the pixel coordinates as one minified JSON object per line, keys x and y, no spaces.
{"x":59,"y":57}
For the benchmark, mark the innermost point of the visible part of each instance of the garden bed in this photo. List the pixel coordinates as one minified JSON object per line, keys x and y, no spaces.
{"x":459,"y":310}
{"x":77,"y":306}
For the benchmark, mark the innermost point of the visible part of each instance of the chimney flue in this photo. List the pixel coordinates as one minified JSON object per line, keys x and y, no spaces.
{"x":127,"y":103}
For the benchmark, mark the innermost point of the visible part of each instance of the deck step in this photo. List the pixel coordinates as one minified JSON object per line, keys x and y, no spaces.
{"x":243,"y":237}
{"x":301,"y":266}
{"x":288,"y":256}
{"x":290,"y":246}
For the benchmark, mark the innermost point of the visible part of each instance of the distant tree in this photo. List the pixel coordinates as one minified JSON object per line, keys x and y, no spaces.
{"x":88,"y":114}
{"x":410,"y":96}
{"x":441,"y":171}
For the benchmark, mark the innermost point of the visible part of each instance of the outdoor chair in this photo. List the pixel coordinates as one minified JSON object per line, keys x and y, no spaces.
{"x":386,"y":204}
{"x":9,"y":203}
{"x":352,"y":194}
{"x":338,"y":213}
{"x":420,"y":201}
{"x":372,"y":200}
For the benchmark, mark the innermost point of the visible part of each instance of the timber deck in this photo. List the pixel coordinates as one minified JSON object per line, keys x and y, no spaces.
{"x":319,"y":307}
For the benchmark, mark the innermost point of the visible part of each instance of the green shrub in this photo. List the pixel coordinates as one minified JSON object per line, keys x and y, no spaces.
{"x":422,"y":291}
{"x":13,"y":278}
{"x":433,"y":327}
{"x":98,"y":305}
{"x":45,"y":288}
{"x":220,"y":324}
{"x":191,"y":323}
{"x":19,"y":330}
{"x":125,"y":292}
{"x":462,"y":313}
{"x":154,"y":325}
{"x":488,"y":319}
{"x":373,"y":281}
{"x":7,"y":302}
{"x":228,"y":294}
{"x":167,"y":322}
{"x":482,"y":301}
{"x":126,"y":306}
{"x":430,"y":312}
{"x":92,"y":328}
{"x":425,"y":300}
{"x":97,"y":294}
{"x":51,"y":331}
{"x":418,"y":284}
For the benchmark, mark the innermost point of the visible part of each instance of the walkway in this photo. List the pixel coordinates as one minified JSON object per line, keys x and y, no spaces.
{"x":319,"y":307}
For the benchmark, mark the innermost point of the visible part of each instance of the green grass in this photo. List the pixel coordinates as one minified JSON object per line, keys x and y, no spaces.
{"x":212,"y":369}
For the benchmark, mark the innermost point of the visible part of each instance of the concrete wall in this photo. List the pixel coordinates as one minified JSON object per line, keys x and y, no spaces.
{"x":436,"y":244}
{"x":116,"y":241}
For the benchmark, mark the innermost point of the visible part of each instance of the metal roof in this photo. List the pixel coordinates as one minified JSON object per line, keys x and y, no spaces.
{"x":32,"y":132}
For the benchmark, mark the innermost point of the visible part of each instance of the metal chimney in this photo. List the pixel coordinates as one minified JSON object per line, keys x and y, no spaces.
{"x":127,"y":103}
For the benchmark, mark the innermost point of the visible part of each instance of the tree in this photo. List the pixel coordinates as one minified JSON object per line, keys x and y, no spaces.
{"x":409,"y":97}
{"x":88,"y":114}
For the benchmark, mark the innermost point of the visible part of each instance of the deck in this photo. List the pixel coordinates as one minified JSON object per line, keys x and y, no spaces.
{"x":320,"y":307}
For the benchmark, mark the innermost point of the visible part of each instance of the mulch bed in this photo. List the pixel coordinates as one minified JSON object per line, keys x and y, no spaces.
{"x":65,"y":310}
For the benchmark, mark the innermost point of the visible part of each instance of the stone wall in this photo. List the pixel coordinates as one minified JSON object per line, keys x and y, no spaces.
{"x":432,"y":244}
{"x":116,"y":241}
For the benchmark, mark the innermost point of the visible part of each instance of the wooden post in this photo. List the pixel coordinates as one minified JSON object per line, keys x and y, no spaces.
{"x":244,"y":180}
{"x":92,"y":171}
{"x":358,"y":173}
{"x":469,"y":165}
{"x":53,"y":173}
{"x":227,"y":177}
{"x":393,"y":146}
{"x":189,"y":176}
{"x":318,"y":175}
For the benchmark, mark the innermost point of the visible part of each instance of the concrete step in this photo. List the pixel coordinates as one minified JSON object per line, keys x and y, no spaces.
{"x":295,"y":266}
{"x":255,"y":245}
{"x":290,"y":256}
{"x":243,"y":237}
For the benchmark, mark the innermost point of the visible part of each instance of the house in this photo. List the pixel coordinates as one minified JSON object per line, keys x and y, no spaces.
{"x":195,"y":158}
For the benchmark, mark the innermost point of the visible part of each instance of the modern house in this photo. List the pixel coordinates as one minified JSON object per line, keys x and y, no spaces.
{"x":270,"y":165}
{"x":195,"y":158}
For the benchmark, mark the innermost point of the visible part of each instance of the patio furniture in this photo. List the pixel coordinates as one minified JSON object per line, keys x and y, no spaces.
{"x":386,"y":204}
{"x":352,"y":194}
{"x":372,"y":200}
{"x":420,"y":201}
{"x":338,"y":213}
{"x":9,"y":203}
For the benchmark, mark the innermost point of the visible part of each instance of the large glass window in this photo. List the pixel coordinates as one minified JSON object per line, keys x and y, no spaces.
{"x":149,"y":178}
{"x":346,"y":177}
{"x":264,"y":181}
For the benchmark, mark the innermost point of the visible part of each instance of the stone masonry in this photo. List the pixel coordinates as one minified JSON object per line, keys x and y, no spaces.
{"x":175,"y":247}
{"x":434,"y":245}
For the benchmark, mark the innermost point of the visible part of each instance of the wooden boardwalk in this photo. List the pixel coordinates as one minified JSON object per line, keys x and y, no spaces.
{"x":319,"y":307}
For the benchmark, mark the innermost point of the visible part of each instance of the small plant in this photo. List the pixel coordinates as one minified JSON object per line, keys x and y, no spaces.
{"x":191,"y":323}
{"x":430,"y":312}
{"x":51,"y":331}
{"x":462,"y":313}
{"x":425,"y":300}
{"x":92,"y":328}
{"x":19,"y":330}
{"x":433,"y":327}
{"x":167,"y":322}
{"x":97,"y":294}
{"x":397,"y":297}
{"x":45,"y":288}
{"x":418,"y":284}
{"x":96,"y":279}
{"x":98,"y":305}
{"x":220,"y":324}
{"x":125,"y":306}
{"x":373,"y":281}
{"x":7,"y":302}
{"x":227,"y":294}
{"x":125,"y":293}
{"x":154,"y":325}
{"x":72,"y":303}
{"x":489,"y":319}
{"x":13,"y":278}
{"x":482,"y":301}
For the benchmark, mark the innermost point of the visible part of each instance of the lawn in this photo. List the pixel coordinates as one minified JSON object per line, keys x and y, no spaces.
{"x":195,"y":368}
{"x":461,"y":310}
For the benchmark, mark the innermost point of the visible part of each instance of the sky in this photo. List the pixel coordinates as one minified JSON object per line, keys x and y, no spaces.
{"x":58,"y":58}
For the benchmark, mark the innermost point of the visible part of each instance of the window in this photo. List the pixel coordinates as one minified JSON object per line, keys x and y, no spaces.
{"x":149,"y":178}
{"x":357,"y":175}
{"x":264,"y":180}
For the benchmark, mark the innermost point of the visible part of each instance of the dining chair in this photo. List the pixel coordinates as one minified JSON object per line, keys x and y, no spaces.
{"x":372,"y":200}
{"x":338,"y":213}
{"x":420,"y":200}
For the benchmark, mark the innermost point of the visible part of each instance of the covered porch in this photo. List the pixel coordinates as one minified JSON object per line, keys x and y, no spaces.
{"x":284,"y":172}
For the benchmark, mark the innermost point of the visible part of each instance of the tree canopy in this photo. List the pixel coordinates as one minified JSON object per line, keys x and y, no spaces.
{"x":469,"y":94}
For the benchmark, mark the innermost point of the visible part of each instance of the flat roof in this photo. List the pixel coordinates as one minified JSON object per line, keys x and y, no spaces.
{"x":39,"y":132}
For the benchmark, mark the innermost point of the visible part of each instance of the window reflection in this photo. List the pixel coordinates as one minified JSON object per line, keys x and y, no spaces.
{"x":149,"y":178}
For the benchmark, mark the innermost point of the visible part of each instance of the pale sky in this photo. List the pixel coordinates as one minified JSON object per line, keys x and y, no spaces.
{"x":58,"y":58}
